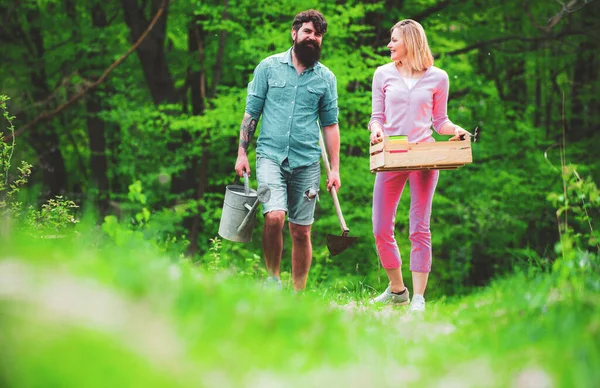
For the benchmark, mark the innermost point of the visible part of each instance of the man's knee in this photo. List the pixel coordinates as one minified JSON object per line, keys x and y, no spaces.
{"x":275,"y":219}
{"x":300,"y":233}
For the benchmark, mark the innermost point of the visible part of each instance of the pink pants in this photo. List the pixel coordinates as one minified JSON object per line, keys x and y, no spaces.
{"x":386,"y":197}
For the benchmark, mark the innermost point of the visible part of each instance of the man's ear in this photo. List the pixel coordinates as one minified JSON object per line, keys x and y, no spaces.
{"x":293,"y":34}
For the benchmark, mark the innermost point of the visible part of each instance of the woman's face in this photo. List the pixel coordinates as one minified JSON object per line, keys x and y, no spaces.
{"x":397,"y":47}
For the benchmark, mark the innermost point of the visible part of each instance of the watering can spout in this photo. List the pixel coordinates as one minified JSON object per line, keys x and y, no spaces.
{"x":263,"y":195}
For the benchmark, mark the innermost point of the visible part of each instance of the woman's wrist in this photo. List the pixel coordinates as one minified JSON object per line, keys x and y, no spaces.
{"x":448,"y":128}
{"x":374,"y":127}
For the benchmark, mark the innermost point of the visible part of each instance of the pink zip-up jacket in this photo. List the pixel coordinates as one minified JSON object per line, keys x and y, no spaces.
{"x":410,"y":112}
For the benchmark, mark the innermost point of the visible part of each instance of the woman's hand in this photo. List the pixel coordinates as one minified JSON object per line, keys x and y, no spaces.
{"x":458,"y":133}
{"x":376,"y":134}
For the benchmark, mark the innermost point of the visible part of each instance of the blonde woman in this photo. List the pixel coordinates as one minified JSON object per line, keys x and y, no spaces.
{"x":410,"y":96}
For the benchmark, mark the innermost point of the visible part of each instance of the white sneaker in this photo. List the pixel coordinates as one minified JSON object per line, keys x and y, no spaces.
{"x":388,"y":297}
{"x":272,"y":283}
{"x":417,"y":303}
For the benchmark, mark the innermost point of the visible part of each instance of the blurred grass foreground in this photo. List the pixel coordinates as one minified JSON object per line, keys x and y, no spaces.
{"x":76,"y":311}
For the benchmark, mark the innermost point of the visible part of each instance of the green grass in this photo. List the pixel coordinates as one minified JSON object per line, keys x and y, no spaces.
{"x":74,"y":312}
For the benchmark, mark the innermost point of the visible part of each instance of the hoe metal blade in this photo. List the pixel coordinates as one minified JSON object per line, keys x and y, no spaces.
{"x":338,"y":244}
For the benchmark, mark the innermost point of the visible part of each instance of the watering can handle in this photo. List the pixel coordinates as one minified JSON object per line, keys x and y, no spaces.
{"x":236,"y":181}
{"x":246,"y":183}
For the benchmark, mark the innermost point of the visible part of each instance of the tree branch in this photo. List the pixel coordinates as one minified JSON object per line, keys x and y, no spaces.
{"x":48,"y":115}
{"x":502,"y":39}
{"x":572,"y":6}
{"x":434,"y":9}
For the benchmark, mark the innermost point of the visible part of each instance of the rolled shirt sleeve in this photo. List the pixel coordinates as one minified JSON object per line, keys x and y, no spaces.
{"x":328,"y":106}
{"x":257,"y":91}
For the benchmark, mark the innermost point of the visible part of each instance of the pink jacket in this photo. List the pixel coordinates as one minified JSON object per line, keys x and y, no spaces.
{"x":410,"y":112}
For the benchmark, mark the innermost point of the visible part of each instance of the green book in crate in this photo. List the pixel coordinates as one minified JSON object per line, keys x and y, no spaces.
{"x":397,"y":139}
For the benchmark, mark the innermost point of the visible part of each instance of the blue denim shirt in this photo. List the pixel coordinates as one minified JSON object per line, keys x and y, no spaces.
{"x":290,"y":105}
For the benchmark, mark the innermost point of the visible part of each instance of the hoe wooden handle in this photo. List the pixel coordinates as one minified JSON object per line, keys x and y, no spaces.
{"x":333,"y":190}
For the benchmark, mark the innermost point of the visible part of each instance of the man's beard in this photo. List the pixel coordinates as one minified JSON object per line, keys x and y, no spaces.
{"x":308,"y":52}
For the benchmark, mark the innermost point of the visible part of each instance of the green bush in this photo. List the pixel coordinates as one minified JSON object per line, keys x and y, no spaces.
{"x":54,"y":217}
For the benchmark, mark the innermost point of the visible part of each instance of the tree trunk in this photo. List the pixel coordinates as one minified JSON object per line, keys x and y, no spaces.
{"x":151,"y":51}
{"x":539,"y":68}
{"x":221,"y":53}
{"x":583,"y":95}
{"x":198,"y":97}
{"x":96,"y":127}
{"x":44,"y":139}
{"x":515,"y":82}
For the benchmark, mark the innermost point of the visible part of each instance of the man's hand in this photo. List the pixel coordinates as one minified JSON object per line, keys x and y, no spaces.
{"x":242,"y":165}
{"x":331,"y":138}
{"x":333,"y":179}
{"x":246,"y":133}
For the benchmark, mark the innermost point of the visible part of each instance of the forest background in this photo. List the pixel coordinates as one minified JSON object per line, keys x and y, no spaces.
{"x":132,"y":111}
{"x":120,"y":122}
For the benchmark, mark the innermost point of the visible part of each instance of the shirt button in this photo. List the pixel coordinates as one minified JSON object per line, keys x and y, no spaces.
{"x":295,"y":87}
{"x":292,"y":102}
{"x":290,"y":117}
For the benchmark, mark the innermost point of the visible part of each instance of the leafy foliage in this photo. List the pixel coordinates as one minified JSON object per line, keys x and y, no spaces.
{"x":54,"y":216}
{"x":167,"y":120}
{"x":153,"y":321}
{"x":145,"y":288}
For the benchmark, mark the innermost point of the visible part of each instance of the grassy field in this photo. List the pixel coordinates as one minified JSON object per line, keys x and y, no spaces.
{"x":74,"y":312}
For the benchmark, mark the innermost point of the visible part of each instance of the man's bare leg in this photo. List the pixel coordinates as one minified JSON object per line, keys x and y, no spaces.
{"x":301,"y":254}
{"x":273,"y":241}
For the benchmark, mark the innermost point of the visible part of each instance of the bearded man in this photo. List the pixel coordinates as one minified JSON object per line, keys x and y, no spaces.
{"x":295,"y":95}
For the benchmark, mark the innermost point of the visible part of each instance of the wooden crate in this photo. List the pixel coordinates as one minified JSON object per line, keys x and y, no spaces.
{"x":439,"y":155}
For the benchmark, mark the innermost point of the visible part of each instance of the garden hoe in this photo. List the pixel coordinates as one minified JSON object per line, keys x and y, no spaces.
{"x":335,"y":244}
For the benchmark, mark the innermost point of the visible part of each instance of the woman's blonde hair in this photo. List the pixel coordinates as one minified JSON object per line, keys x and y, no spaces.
{"x":419,"y":55}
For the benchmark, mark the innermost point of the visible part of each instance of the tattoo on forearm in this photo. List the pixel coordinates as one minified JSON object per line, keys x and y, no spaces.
{"x":247,"y":132}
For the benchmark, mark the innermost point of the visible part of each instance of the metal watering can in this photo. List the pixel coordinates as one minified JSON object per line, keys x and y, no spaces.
{"x":239,"y":210}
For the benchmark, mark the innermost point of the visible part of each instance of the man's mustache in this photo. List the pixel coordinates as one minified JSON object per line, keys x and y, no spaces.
{"x":309,"y":43}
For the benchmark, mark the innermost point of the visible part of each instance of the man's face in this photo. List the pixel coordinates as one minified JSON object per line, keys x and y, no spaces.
{"x":307,"y":32}
{"x":307,"y":44}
